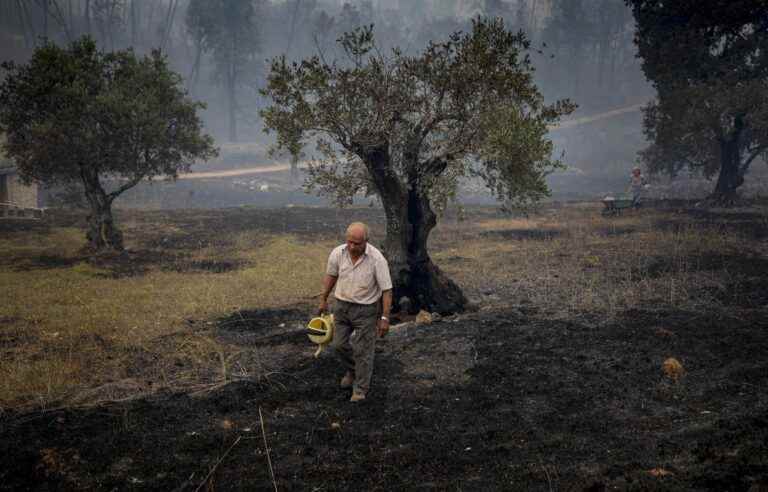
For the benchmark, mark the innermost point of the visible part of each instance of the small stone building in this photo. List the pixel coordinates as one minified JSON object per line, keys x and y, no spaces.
{"x":16,"y":196}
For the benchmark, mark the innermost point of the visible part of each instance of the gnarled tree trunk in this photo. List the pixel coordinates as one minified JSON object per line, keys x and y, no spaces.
{"x":410,"y":219}
{"x":102,"y":234}
{"x":731,"y":174}
{"x":232,"y":103}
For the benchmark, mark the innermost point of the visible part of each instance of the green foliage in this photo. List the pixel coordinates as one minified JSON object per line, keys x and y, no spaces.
{"x":78,"y":114}
{"x":76,"y":110}
{"x":465,"y":106}
{"x":687,"y":127}
{"x":708,"y":61}
{"x":516,"y":154}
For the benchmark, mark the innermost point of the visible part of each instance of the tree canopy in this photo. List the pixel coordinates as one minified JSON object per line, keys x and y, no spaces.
{"x":78,"y":114}
{"x":708,"y":61}
{"x":407,"y":128}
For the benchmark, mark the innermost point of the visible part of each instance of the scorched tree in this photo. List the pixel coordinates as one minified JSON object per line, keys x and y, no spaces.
{"x":407,"y":128}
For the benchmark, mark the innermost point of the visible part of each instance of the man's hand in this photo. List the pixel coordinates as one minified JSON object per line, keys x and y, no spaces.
{"x":322,"y":308}
{"x":383,"y":327}
{"x":386,"y":305}
{"x":329,"y":281}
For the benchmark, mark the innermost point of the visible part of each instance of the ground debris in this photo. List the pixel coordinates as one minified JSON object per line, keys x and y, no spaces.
{"x":556,"y":385}
{"x":673,"y":369}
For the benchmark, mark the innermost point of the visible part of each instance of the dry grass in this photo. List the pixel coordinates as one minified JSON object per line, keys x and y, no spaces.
{"x":71,"y":332}
{"x":573,"y":260}
{"x":65,"y":329}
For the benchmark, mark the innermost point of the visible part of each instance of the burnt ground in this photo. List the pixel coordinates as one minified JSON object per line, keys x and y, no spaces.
{"x":506,"y":398}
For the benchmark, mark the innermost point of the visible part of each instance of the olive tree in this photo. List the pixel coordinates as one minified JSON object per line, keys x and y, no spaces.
{"x":105,"y":120}
{"x":708,"y":61}
{"x":408,"y":128}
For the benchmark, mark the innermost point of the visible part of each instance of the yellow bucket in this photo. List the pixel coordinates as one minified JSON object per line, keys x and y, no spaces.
{"x":320,"y":331}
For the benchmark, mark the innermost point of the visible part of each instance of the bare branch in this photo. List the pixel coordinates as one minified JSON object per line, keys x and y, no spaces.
{"x":752,"y":157}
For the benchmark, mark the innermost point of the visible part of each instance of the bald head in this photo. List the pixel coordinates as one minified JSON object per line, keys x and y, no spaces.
{"x":358,"y":229}
{"x":357,"y":238}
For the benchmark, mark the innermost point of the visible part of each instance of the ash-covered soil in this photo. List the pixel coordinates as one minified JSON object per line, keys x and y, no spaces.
{"x":498,"y":399}
{"x":507,"y":398}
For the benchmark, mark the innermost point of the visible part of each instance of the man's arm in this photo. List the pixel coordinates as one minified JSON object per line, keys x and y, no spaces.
{"x":329,"y":281}
{"x":386,"y":306}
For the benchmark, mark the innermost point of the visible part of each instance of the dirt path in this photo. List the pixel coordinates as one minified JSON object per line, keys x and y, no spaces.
{"x":596,"y":117}
{"x":272,"y":168}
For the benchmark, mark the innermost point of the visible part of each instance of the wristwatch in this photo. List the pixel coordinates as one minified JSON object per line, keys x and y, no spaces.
{"x":385,"y":318}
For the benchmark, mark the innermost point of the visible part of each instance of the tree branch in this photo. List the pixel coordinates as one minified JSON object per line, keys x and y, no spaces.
{"x":436,"y":119}
{"x":757,"y":152}
{"x":58,"y":15}
{"x":435,"y":166}
{"x":126,"y":186}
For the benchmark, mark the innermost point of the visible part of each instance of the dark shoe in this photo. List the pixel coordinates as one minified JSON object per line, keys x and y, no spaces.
{"x":347,"y":380}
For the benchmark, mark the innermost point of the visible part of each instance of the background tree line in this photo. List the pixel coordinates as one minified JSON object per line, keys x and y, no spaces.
{"x":221,"y":46}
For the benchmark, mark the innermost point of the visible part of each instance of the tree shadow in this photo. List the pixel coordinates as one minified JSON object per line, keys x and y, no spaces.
{"x":40,"y":262}
{"x":196,"y":229}
{"x":203,"y":266}
{"x":132,"y":263}
{"x":523,"y":234}
{"x":751,"y":224}
{"x":8,"y":226}
{"x":136,"y":263}
{"x":740,"y":268}
{"x":615,"y":231}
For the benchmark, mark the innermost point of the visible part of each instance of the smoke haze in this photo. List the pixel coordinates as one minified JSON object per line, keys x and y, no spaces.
{"x":582,"y":49}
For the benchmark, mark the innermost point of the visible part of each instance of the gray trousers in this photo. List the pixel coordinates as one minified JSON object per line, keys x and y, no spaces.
{"x":354,"y":340}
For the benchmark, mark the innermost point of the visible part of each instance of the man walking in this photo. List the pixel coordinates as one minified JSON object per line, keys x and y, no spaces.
{"x":363,"y":295}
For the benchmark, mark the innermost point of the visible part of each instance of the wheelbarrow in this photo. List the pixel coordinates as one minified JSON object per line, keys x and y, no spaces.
{"x":613,"y":206}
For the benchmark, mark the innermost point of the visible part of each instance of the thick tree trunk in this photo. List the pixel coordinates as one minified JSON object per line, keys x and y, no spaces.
{"x":45,"y":19}
{"x":410,"y":220}
{"x":102,"y":234}
{"x":292,"y":33}
{"x":414,"y":274}
{"x":731,"y":175}
{"x":88,"y":17}
{"x":194,"y":76}
{"x":232,"y":105}
{"x":134,"y":20}
{"x":294,"y":176}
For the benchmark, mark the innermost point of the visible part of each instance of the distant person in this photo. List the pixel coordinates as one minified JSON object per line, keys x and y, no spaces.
{"x":637,"y":184}
{"x":363,"y":295}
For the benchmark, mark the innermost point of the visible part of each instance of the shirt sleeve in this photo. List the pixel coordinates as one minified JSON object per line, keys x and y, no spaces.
{"x":382,"y":274}
{"x":332,"y":268}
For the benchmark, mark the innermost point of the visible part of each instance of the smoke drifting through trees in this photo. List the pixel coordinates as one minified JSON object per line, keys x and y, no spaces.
{"x":586,"y":51}
{"x":710,"y":72}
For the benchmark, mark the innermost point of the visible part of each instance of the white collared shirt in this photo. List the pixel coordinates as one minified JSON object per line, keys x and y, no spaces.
{"x":363,"y":282}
